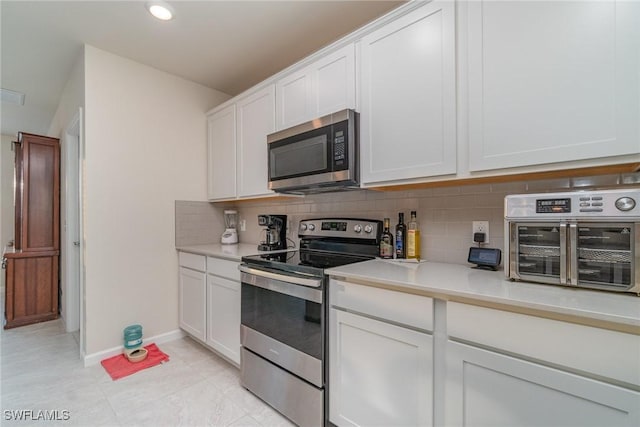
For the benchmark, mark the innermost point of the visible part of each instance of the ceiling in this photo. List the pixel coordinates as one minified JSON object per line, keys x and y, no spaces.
{"x":225,"y":45}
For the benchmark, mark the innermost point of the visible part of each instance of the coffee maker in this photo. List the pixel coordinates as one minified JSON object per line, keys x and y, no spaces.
{"x":275,"y":232}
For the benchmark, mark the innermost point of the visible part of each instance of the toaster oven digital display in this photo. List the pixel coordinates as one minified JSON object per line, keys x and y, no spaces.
{"x":553,"y":206}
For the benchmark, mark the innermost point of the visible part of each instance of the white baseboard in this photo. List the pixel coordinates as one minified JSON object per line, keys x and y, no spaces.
{"x":95,"y":358}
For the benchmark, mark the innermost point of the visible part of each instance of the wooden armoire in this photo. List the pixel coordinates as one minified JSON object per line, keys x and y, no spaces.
{"x":32,"y":263}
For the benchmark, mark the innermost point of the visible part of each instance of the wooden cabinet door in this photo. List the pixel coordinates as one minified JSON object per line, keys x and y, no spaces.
{"x":193,"y":302}
{"x":31,"y":289}
{"x":491,"y":389}
{"x":379,"y":373}
{"x":408,"y":92}
{"x":256,"y":119}
{"x":221,"y":154}
{"x":551,"y":81}
{"x":223,"y":317}
{"x":38,"y":194}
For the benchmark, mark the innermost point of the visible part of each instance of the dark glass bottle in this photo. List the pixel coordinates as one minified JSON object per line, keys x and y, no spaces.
{"x":401,"y":237}
{"x":386,"y":241}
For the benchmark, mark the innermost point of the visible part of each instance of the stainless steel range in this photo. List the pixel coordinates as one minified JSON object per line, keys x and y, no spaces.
{"x":284,"y":315}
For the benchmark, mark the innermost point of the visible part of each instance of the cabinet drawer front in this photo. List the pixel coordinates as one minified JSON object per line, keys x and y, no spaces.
{"x":398,"y":307}
{"x":223,"y":268}
{"x":193,"y":261}
{"x":611,"y":354}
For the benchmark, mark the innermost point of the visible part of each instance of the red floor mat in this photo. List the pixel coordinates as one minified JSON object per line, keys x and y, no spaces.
{"x":119,"y":366}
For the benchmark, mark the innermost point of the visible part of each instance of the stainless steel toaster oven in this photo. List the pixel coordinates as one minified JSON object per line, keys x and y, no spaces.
{"x":586,"y":239}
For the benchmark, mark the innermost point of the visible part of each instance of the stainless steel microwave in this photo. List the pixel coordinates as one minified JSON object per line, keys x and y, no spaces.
{"x":317,"y":156}
{"x":585,"y":239}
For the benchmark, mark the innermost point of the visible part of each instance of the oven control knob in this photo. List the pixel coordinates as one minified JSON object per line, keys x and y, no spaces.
{"x":312,"y":227}
{"x":357,"y":228}
{"x":303,"y":226}
{"x":625,"y":204}
{"x":368,"y":229}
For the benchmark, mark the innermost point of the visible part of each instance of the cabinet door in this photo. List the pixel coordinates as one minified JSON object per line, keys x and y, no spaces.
{"x":408,"y":111}
{"x":31,"y":294}
{"x":293,"y":99}
{"x":221,"y":149}
{"x":256,"y":119}
{"x":552,"y":81}
{"x":323,"y":87}
{"x":334,"y":82}
{"x":379,"y":374}
{"x":491,"y":389}
{"x":38,"y":194}
{"x":223,"y":316}
{"x":193,"y":304}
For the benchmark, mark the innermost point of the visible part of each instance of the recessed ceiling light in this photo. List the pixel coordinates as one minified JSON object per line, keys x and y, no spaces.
{"x":11,"y":97}
{"x":160,"y":9}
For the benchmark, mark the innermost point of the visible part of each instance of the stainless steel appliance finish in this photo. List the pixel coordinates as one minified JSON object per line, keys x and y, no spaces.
{"x":318,"y":156}
{"x":301,"y":402}
{"x":284,"y":314}
{"x":586,"y":239}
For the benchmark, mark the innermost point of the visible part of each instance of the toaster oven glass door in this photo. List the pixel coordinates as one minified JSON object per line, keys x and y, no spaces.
{"x":540,"y":251}
{"x":604,"y":254}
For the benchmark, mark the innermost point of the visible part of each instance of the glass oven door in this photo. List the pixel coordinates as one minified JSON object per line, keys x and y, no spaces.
{"x":282,"y":320}
{"x":538,"y":251}
{"x":603,"y":255}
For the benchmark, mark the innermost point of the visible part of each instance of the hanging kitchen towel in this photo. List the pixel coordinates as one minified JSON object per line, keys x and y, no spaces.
{"x":119,"y":366}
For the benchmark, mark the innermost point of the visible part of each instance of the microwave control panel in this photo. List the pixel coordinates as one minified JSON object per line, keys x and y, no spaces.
{"x":340,"y":141}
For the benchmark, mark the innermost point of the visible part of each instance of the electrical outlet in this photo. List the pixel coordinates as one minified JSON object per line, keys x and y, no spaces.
{"x":480,"y":227}
{"x":243,"y":225}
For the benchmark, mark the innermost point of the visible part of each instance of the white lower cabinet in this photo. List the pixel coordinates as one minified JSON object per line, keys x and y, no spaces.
{"x":486,"y":388}
{"x":381,"y":374}
{"x":514,"y":369}
{"x":223,"y":316}
{"x":193,"y":304}
{"x":209,"y":304}
{"x":380,"y":371}
{"x":398,"y":359}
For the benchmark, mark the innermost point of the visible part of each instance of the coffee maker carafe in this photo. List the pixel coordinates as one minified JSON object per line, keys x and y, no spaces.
{"x":275,"y":232}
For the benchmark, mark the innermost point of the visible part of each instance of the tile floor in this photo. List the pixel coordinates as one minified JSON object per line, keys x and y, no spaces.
{"x":41,"y":370}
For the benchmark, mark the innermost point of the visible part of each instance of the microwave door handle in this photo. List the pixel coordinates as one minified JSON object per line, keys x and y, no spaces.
{"x":563,"y":253}
{"x":573,"y":253}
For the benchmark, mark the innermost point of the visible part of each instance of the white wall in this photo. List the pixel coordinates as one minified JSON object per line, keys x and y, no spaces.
{"x":145,"y":142}
{"x":72,"y":98}
{"x":6,"y":194}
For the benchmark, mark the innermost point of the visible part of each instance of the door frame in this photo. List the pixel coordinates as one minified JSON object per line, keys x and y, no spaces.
{"x":73,"y":300}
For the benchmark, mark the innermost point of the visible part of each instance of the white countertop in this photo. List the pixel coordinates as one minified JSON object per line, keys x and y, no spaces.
{"x":453,"y":280}
{"x":230,"y":252}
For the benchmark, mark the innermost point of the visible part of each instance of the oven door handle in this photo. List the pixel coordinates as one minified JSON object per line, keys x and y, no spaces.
{"x":573,"y":254}
{"x":312,"y":283}
{"x":284,"y":287}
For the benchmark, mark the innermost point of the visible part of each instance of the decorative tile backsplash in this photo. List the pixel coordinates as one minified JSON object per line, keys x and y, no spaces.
{"x":445,"y":214}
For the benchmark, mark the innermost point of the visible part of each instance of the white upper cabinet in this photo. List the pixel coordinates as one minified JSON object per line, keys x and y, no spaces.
{"x":551,"y":81}
{"x":408,"y":94}
{"x":221,"y":152}
{"x":334,"y":82}
{"x":255,"y":120}
{"x":321,"y":88}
